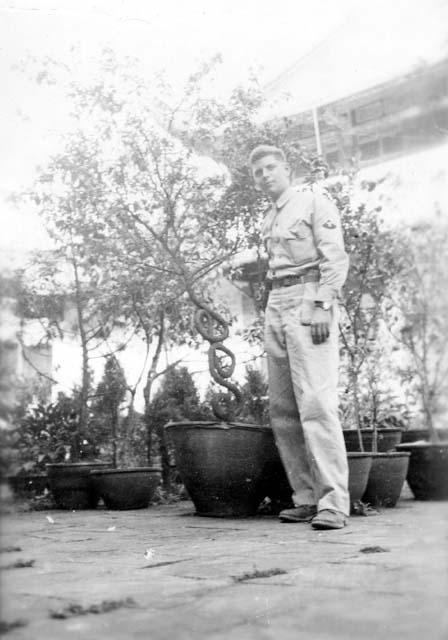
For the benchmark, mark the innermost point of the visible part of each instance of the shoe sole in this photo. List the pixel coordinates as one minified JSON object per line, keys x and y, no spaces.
{"x":290,"y":519}
{"x":326,"y":526}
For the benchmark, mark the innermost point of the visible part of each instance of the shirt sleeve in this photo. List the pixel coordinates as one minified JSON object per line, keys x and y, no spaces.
{"x":334,"y":261}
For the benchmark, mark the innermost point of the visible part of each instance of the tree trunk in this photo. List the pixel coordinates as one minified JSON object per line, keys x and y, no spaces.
{"x":149,"y":381}
{"x":165,"y":460}
{"x":355,"y":394}
{"x":427,"y":410}
{"x":128,"y":428}
{"x":85,"y":381}
{"x":114,"y":429}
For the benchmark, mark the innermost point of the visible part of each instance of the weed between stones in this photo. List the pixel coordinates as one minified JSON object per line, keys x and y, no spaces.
{"x":253,"y":575}
{"x":20,"y":564}
{"x":73,"y":610}
{"x":14,"y":624}
{"x":374,"y":549}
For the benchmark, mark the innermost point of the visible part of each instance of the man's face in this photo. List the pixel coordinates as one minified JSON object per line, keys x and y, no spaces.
{"x":271,"y":175}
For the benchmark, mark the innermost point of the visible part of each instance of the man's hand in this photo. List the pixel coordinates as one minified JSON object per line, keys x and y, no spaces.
{"x":320,"y":325}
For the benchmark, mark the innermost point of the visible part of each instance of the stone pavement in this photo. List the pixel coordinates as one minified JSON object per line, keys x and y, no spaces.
{"x":384,"y":576}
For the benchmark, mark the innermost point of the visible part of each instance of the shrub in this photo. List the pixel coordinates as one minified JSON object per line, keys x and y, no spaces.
{"x":50,"y":433}
{"x":255,"y":397}
{"x":176,"y":400}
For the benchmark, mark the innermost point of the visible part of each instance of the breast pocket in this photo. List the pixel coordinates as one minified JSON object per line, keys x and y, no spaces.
{"x":299,"y":242}
{"x":300,"y":230}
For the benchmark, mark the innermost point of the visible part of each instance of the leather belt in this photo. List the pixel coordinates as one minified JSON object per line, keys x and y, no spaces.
{"x":289,"y":281}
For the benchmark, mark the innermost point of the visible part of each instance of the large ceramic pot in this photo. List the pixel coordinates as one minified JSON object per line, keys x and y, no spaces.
{"x":71,"y":484}
{"x":428,"y":469}
{"x":126,"y":488}
{"x":359,"y":465}
{"x":386,"y":478}
{"x":387,"y":439}
{"x":223,"y":465}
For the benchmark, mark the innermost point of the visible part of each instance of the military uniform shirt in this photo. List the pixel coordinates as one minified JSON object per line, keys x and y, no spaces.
{"x":302,"y":232}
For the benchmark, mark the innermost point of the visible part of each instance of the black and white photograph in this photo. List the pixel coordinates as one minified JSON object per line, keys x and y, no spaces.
{"x":224,"y":320}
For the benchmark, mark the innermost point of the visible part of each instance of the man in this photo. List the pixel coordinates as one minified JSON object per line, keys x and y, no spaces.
{"x":307,"y":267}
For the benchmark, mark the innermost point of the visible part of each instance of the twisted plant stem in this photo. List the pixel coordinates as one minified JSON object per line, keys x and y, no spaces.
{"x":214,"y":328}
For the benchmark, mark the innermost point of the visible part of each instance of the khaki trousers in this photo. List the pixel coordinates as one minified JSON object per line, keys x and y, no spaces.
{"x":303,"y":400}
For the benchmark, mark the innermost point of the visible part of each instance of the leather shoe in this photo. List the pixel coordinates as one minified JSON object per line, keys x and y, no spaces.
{"x":329,"y":519}
{"x":302,"y":513}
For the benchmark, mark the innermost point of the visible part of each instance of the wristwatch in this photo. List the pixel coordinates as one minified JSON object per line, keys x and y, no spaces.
{"x":322,"y":304}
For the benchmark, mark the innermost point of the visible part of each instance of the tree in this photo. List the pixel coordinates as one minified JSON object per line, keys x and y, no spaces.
{"x":177,"y":399}
{"x":109,"y":395}
{"x":255,"y":394}
{"x":139,"y":213}
{"x":419,"y":318}
{"x":377,"y":257}
{"x":96,"y":264}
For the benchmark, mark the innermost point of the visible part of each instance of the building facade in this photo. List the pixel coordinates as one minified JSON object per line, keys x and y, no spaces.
{"x":398,"y":117}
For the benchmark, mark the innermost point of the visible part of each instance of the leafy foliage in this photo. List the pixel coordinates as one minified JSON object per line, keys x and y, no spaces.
{"x":377,"y":259}
{"x":177,"y":399}
{"x":255,"y":396}
{"x":109,"y":395}
{"x":51,"y":433}
{"x":419,"y":319}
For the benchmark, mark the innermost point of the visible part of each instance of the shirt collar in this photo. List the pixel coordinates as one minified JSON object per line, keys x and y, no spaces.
{"x":284,"y":198}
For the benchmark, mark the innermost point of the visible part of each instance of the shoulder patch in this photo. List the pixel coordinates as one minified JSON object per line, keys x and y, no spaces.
{"x":329,"y":224}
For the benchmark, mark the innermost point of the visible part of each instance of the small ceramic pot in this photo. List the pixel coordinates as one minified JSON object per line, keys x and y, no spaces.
{"x":359,"y":465}
{"x":428,"y":469}
{"x":126,"y":488}
{"x":386,"y":478}
{"x":71,"y":484}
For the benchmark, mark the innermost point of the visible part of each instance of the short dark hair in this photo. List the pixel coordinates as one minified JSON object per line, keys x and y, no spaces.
{"x":266,"y":150}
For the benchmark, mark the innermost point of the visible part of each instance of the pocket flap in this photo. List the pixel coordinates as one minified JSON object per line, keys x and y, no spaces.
{"x":299,"y":229}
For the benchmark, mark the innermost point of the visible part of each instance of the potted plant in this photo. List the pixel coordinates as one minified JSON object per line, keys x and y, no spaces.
{"x":189,"y":220}
{"x":67,"y":276}
{"x":24,"y":475}
{"x":223,"y":463}
{"x":127,"y":201}
{"x":387,"y":474}
{"x":375,"y":262}
{"x":125,"y":487}
{"x":421,"y":328}
{"x":49,"y":443}
{"x":386,"y":478}
{"x":74,"y":454}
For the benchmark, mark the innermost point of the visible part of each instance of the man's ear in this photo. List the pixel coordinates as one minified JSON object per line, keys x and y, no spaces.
{"x":288,"y":168}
